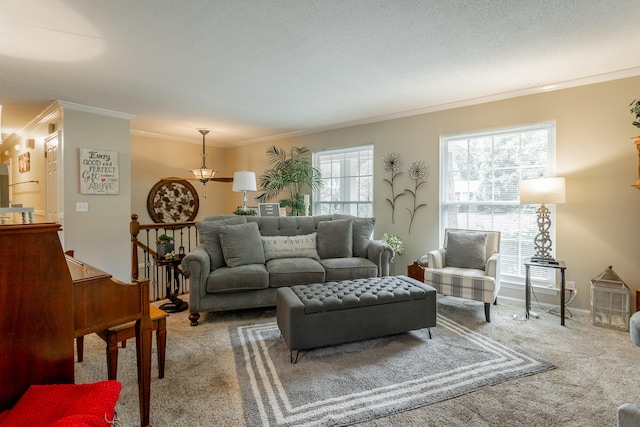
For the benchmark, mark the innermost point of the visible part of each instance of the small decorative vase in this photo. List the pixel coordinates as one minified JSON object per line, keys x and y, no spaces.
{"x":392,"y":268}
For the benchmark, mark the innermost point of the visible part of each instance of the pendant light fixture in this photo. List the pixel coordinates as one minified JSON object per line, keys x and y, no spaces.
{"x":203,"y":173}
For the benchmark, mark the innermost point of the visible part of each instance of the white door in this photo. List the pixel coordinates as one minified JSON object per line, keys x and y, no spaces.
{"x":53,"y":183}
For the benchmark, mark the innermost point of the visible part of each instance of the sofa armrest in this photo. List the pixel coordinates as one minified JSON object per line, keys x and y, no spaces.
{"x":381,"y":254}
{"x":196,"y":265}
{"x":436,"y":258}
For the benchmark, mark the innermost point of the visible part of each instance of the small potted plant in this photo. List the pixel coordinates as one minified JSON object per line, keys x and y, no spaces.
{"x":164,"y":245}
{"x":634,"y":107}
{"x":394,"y":242}
{"x":240,"y":211}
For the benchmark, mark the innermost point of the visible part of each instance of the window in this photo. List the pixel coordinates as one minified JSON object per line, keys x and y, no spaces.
{"x":347,"y":181}
{"x":480,"y":189}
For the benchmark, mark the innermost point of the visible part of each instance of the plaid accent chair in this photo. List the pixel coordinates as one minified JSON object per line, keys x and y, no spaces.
{"x":467,"y":266}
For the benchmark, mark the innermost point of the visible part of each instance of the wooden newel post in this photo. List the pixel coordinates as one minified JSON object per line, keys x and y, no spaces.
{"x":134,"y":229}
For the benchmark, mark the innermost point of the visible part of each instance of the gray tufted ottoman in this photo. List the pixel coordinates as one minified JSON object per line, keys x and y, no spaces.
{"x":330,"y":313}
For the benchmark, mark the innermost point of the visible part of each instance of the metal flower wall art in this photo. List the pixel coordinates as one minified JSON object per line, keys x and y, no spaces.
{"x":391,"y":163}
{"x":418,"y":172}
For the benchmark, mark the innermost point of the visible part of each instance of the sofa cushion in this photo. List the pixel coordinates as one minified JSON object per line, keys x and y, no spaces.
{"x":243,"y":278}
{"x":241,"y":244}
{"x":335,"y":239}
{"x":362,"y":231}
{"x":466,"y":250}
{"x":294,"y":271}
{"x":348,"y":268}
{"x":290,"y":246}
{"x":209,"y":232}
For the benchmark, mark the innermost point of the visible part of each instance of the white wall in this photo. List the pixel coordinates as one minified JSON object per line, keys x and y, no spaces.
{"x":99,"y":237}
{"x":596,"y":227}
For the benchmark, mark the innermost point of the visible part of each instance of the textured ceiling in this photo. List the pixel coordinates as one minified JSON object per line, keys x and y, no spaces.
{"x":251,"y":70}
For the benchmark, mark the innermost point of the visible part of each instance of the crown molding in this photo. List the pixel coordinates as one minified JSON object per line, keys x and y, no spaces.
{"x":584,"y":81}
{"x":95,"y":110}
{"x":54,"y":107}
{"x":209,"y":143}
{"x":599,"y":78}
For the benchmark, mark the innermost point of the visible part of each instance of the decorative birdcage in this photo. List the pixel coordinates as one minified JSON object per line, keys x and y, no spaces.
{"x":609,"y":301}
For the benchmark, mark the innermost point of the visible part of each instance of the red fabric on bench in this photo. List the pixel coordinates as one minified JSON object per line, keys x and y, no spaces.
{"x":65,"y":405}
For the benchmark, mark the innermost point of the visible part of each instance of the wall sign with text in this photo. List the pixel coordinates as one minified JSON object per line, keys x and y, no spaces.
{"x":268,"y":209}
{"x":98,"y":171}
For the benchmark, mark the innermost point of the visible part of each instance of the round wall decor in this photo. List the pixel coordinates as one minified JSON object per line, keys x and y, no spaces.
{"x":173,"y":201}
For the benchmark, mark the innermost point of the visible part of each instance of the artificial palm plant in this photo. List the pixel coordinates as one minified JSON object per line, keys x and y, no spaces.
{"x":292,"y":172}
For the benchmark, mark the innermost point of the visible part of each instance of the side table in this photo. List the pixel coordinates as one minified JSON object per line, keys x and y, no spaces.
{"x":416,"y":271}
{"x":557,"y":265}
{"x":175,"y":304}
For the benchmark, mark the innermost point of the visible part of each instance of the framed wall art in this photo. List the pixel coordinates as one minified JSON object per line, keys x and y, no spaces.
{"x":173,"y":201}
{"x":24,"y":162}
{"x":268,"y":209}
{"x":98,"y":171}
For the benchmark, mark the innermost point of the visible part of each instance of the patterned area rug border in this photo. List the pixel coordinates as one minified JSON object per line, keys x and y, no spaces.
{"x":369,"y":379}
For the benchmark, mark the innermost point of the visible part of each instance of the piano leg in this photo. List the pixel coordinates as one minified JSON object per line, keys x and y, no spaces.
{"x":143,"y":355}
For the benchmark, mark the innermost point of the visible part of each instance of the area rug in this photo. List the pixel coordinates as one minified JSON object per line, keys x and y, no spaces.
{"x":355,"y":382}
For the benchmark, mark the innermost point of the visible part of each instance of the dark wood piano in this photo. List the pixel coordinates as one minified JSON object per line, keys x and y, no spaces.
{"x":47,"y":299}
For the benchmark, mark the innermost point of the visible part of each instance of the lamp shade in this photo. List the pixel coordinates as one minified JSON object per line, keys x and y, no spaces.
{"x":203,"y":174}
{"x":244,"y":181}
{"x":542,"y":190}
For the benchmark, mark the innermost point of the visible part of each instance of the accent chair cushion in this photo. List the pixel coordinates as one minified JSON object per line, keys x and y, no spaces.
{"x":335,"y":239}
{"x":209,"y":232}
{"x":463,"y":283}
{"x":290,"y":246}
{"x":242,"y":244}
{"x":466,"y":250}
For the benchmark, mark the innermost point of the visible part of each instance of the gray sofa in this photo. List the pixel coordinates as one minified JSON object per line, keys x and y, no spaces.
{"x":242,"y":260}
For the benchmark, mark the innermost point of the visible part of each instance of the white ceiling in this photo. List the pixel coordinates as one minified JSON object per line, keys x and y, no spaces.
{"x":256,"y":69}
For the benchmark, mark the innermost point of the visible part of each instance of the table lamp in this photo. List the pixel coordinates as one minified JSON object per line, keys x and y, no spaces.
{"x":244,"y":181}
{"x":542,"y":191}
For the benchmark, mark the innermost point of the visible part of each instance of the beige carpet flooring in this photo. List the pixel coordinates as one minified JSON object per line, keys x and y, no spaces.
{"x":597,"y":370}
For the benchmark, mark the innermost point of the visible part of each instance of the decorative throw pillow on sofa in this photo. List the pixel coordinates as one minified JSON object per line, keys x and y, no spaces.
{"x":362,"y":232}
{"x":209,"y":232}
{"x":335,"y":239}
{"x":241,"y":244}
{"x":303,"y":246}
{"x":466,"y":250}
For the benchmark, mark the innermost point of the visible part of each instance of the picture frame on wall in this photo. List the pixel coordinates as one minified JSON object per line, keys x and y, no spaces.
{"x":268,"y":209}
{"x":99,"y":171}
{"x":24,"y":162}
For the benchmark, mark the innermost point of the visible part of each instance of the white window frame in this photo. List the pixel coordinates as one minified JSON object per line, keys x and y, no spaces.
{"x":347,"y":181}
{"x":492,"y":202}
